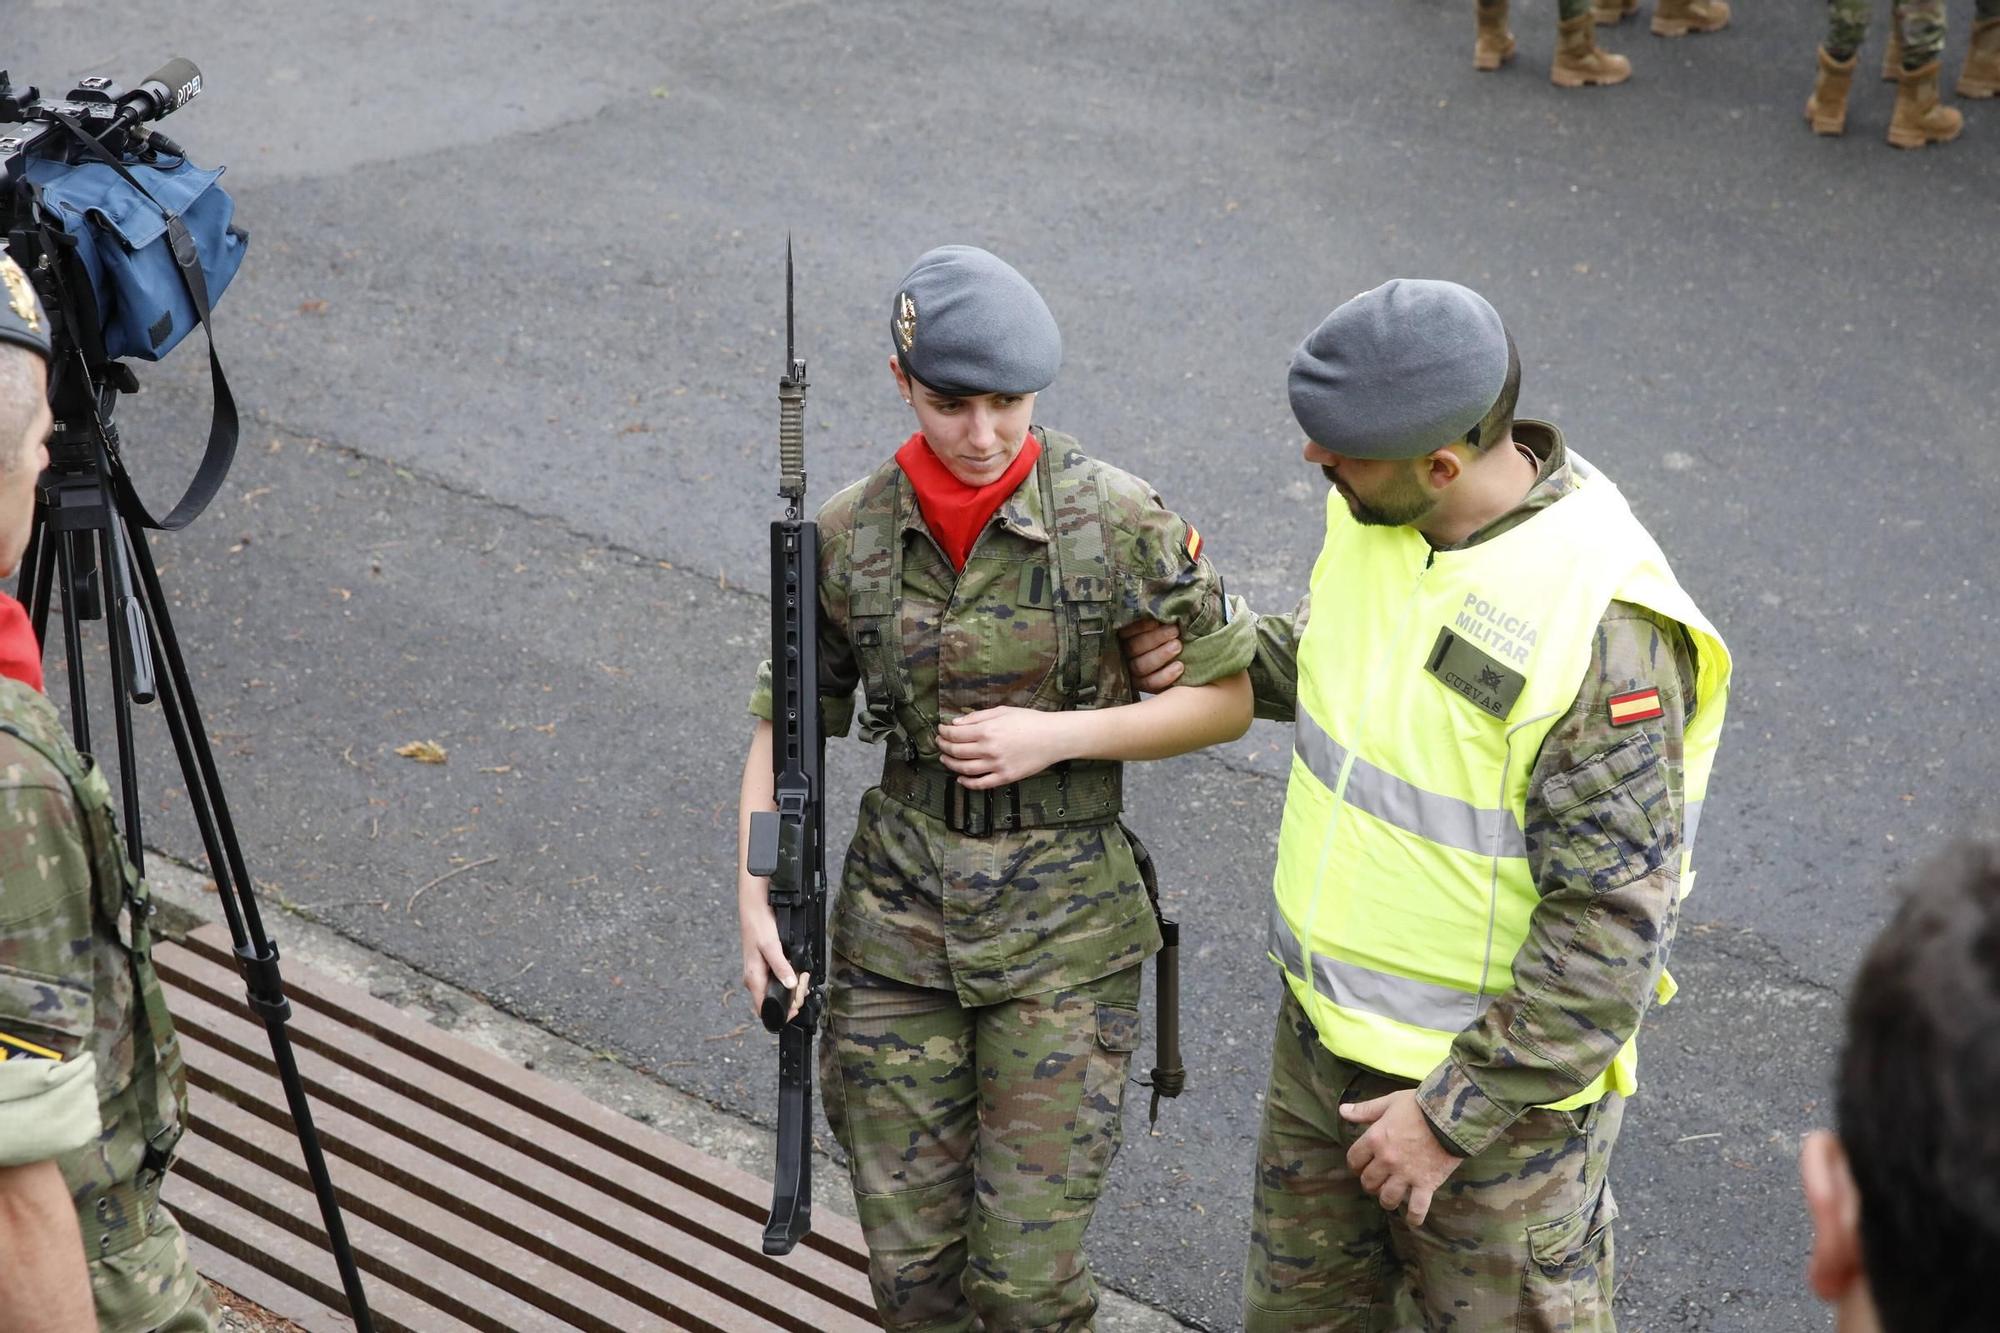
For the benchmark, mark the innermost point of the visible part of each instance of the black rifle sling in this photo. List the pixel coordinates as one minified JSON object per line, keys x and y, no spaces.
{"x":222,"y":426}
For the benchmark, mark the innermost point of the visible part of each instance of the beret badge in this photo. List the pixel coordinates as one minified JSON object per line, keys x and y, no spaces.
{"x":906,"y":321}
{"x":20,"y":295}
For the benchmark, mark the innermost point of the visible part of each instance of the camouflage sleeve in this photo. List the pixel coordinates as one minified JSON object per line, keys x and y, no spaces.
{"x":48,"y":1086}
{"x":839,"y":674}
{"x":1168,"y":578}
{"x":1274,"y":672}
{"x":1604,"y":821}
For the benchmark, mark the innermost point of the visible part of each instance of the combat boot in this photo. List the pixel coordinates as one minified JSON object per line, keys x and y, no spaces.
{"x":1981,"y":75}
{"x":1579,"y":62}
{"x":1892,"y":56}
{"x":1494,"y":46}
{"x":1613,"y":11}
{"x":1678,"y":18}
{"x":1918,"y":118}
{"x":1827,"y":107}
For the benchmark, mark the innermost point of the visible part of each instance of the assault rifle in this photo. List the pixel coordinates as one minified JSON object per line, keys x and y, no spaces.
{"x":788,"y":844}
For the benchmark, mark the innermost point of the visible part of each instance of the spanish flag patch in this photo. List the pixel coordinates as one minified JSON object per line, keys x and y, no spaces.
{"x":1193,"y":544}
{"x":1638,"y":706}
{"x":18,"y":1048}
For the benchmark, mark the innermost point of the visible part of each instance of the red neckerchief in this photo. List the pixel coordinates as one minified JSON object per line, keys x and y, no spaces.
{"x":956,"y":512}
{"x":20,"y":654}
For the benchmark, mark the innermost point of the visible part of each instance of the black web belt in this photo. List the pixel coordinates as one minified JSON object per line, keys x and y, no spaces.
{"x":1091,"y":792}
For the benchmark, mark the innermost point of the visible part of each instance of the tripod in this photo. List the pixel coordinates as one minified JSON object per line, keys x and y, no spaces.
{"x":82,"y":534}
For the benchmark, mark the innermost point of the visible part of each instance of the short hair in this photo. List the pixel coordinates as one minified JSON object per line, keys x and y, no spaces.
{"x":1919,"y":1085}
{"x":1498,"y":423}
{"x":23,"y":382}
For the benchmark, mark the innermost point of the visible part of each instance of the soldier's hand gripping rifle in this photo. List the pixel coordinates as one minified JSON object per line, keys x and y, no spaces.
{"x":788,"y":845}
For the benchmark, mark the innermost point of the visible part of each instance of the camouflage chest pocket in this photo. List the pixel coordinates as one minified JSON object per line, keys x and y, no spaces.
{"x":1615,"y":809}
{"x":1033,"y":635}
{"x":1100,"y":1116}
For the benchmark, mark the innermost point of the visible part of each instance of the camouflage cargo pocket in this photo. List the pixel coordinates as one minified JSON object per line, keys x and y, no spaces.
{"x":1613,"y":805}
{"x":1567,"y":1285}
{"x":1100,"y":1116}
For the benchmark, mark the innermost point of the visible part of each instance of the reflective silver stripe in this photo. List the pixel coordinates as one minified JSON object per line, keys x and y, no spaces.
{"x":1445,"y":820}
{"x":1351,"y":986}
{"x":1690,"y":821}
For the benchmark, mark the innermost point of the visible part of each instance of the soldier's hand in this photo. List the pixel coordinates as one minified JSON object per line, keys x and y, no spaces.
{"x":995,"y":746}
{"x":763,"y":953}
{"x":1150,"y":650}
{"x":1400,"y":1162}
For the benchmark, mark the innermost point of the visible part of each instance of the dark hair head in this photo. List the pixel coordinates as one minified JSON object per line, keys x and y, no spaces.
{"x":1919,"y":1098}
{"x":1498,"y":423}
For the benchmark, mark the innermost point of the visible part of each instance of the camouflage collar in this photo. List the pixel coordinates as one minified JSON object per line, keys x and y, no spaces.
{"x":1021,"y":512}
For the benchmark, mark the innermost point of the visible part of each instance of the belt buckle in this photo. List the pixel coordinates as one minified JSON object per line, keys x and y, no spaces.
{"x":970,"y":812}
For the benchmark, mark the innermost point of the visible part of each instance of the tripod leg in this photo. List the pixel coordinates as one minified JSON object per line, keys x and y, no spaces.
{"x":121,"y":716}
{"x":256,"y":956}
{"x":79,"y":708}
{"x":31,"y":588}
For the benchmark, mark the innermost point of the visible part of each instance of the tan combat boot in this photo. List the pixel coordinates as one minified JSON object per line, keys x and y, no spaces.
{"x":1918,"y":118}
{"x":1494,"y":46}
{"x":1827,"y":107}
{"x":1981,"y":75}
{"x":1678,"y":18}
{"x":1892,"y":56}
{"x":1613,"y":11}
{"x":1578,"y":60}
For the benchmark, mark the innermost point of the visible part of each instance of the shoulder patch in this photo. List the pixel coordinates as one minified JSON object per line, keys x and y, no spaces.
{"x":1635,"y":706}
{"x":1192,"y":545}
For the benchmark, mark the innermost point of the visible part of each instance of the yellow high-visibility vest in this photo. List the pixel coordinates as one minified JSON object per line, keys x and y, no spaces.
{"x":1427,"y":681}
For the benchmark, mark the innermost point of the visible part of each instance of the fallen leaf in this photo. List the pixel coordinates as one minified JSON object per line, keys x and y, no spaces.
{"x":424,"y":752}
{"x":312,"y":307}
{"x":503,"y":768}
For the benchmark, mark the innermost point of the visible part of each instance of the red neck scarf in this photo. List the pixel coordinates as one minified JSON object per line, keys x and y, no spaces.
{"x":20,"y":654}
{"x":958,"y":513}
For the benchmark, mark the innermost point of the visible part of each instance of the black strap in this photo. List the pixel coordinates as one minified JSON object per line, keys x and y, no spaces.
{"x":222,"y":425}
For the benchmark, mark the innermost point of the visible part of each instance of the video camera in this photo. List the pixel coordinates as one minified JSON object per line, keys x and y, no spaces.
{"x":129,"y":244}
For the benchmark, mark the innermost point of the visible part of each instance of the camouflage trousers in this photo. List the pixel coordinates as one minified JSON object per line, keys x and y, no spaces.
{"x":152,"y":1286}
{"x":1920,"y":23}
{"x":1565,"y":9}
{"x":977,"y":1141}
{"x":1519,"y":1237}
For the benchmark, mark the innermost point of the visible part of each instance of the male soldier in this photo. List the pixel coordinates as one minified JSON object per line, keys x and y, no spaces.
{"x":1911,"y":61}
{"x":91,"y":1085}
{"x":1507,"y":711}
{"x":1905,"y":1196}
{"x":1579,"y":61}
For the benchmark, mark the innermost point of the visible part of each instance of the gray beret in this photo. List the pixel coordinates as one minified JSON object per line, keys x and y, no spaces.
{"x":964,"y":322}
{"x":22,"y":319}
{"x":1399,"y":371}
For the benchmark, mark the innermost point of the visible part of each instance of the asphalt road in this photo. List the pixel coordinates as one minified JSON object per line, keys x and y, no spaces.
{"x":507,"y":339}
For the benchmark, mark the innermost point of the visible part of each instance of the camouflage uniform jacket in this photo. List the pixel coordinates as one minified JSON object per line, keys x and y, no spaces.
{"x":1008,"y":913}
{"x":92,"y":1070}
{"x":1598,"y":941}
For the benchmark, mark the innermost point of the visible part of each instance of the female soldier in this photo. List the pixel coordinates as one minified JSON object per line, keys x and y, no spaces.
{"x":988,"y":936}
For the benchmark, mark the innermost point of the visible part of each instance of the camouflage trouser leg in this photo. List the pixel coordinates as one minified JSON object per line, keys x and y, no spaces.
{"x":977,"y":1141}
{"x":152,"y":1287}
{"x":1519,"y":1237}
{"x":1920,"y":22}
